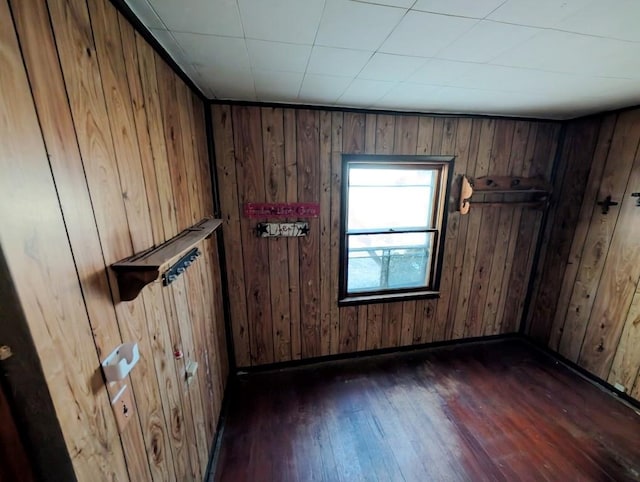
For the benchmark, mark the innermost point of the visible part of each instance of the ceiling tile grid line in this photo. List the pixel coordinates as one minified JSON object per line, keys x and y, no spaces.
{"x":306,"y":68}
{"x":357,"y":76}
{"x":559,"y":58}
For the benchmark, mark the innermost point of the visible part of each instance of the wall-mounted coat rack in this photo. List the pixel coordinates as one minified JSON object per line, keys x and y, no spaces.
{"x":137,"y":271}
{"x":282,"y":230}
{"x":538,"y":191}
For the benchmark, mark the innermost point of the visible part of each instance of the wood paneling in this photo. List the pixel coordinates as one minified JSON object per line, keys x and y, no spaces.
{"x":104,"y":155}
{"x":483,"y":288}
{"x":586,"y":306}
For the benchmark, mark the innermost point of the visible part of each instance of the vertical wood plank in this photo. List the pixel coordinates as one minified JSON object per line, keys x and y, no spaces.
{"x":109,"y":49}
{"x":597,"y":244}
{"x":626,"y":363}
{"x":214,"y":331}
{"x":582,"y":228}
{"x":467,"y":141}
{"x":43,"y":271}
{"x":162,"y":316}
{"x":78,"y":59}
{"x":275,"y":191}
{"x":618,"y":282}
{"x":541,"y":166}
{"x":180,"y":318}
{"x":353,"y":142}
{"x":248,"y":143}
{"x":471,"y":294}
{"x":516,"y":287}
{"x":324,"y":180}
{"x":502,"y":164}
{"x":201,"y":391}
{"x":223,"y":133}
{"x":339,"y":343}
{"x":291,"y":180}
{"x":517,"y":168}
{"x":448,"y":239}
{"x":570,"y":182}
{"x":308,"y":139}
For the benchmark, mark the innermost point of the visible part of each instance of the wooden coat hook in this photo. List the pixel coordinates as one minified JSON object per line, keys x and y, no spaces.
{"x":506,"y":185}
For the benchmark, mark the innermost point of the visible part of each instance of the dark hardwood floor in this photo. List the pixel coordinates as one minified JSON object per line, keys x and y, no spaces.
{"x":496,"y":411}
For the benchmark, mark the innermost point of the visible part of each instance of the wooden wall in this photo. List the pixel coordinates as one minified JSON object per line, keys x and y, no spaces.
{"x":588,"y":305}
{"x":103,"y":154}
{"x":283,"y":292}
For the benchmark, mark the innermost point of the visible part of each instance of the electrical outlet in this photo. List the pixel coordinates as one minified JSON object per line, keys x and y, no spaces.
{"x":122,"y":405}
{"x":620,"y":386}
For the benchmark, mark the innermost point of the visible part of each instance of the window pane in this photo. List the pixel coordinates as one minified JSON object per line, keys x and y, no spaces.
{"x":389,"y":261}
{"x":391,"y":198}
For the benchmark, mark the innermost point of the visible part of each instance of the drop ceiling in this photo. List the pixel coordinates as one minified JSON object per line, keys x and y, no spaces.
{"x":538,"y":58}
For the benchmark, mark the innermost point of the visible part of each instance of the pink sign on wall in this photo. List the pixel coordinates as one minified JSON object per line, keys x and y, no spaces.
{"x":281,"y":210}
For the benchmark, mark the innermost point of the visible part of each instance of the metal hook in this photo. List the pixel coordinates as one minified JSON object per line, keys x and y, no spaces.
{"x":606,"y":204}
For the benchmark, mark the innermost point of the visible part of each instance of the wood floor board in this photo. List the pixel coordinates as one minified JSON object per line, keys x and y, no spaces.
{"x":493,"y":411}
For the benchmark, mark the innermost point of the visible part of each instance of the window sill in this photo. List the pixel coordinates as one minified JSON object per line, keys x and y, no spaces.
{"x":387,"y":297}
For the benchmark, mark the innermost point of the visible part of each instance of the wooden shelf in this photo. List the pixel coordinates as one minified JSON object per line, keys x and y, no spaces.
{"x":538,"y":189}
{"x":137,"y":271}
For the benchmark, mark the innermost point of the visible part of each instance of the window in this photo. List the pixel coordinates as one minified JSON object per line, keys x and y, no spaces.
{"x":393,"y":221}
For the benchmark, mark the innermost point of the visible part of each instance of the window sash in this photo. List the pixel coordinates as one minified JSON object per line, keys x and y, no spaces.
{"x":430,"y":266}
{"x":440,"y":196}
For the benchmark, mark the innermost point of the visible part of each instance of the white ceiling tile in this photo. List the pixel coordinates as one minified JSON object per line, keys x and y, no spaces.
{"x":363,"y":92}
{"x":356,"y":25}
{"x":215,"y":17}
{"x":285,"y":57}
{"x":409,"y":96}
{"x":424,"y":34}
{"x":452,"y":99}
{"x":538,"y":13}
{"x":440,"y":72}
{"x":486,"y":40}
{"x":322,"y":89}
{"x":334,"y":61}
{"x":584,"y":61}
{"x":617,"y":20}
{"x":574,"y":53}
{"x":277,"y":86}
{"x":292,"y":21}
{"x":462,"y":8}
{"x":146,"y":14}
{"x":220,"y":52}
{"x":171,"y":45}
{"x":389,"y":3}
{"x":393,"y":68}
{"x":227,"y":83}
{"x":510,"y":79}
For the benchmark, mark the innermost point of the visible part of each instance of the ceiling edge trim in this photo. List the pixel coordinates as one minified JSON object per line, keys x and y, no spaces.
{"x":133,"y":19}
{"x":335,"y":108}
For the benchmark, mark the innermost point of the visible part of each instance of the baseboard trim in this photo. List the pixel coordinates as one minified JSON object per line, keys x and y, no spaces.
{"x":583,"y":373}
{"x":292,"y":364}
{"x":214,"y":452}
